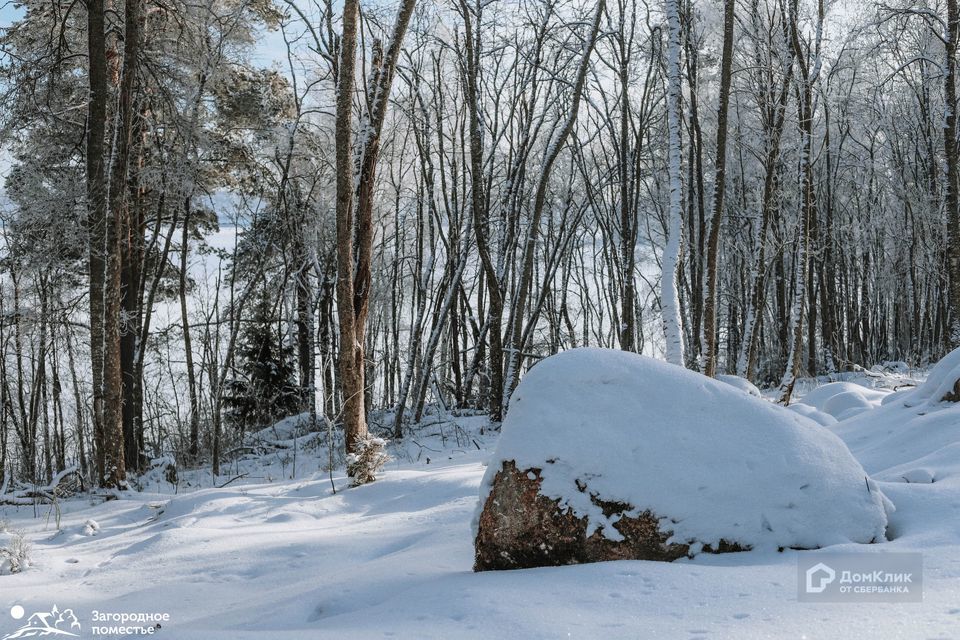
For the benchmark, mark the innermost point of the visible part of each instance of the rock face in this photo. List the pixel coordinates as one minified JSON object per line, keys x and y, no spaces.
{"x":607,"y":455}
{"x":520,"y":528}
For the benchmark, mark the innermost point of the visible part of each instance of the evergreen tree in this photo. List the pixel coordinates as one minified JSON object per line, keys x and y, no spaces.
{"x":264,"y":385}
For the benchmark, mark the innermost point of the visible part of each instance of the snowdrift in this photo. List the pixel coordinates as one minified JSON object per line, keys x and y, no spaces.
{"x":844,"y":400}
{"x":613,"y":438}
{"x":740,"y":383}
{"x":914,"y":436}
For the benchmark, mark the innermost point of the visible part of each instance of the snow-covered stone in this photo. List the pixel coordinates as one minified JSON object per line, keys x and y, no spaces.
{"x":843,"y":400}
{"x":740,"y":383}
{"x":614,"y":440}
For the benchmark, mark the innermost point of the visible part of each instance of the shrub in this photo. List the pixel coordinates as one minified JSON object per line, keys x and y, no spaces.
{"x":367,"y":460}
{"x":14,"y":553}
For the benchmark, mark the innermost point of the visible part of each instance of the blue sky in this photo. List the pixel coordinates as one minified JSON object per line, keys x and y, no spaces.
{"x":8,"y":13}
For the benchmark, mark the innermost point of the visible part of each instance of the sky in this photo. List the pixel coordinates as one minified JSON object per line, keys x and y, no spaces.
{"x":8,"y":13}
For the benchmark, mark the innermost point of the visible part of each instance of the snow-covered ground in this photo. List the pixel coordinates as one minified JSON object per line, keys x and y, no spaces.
{"x":276,"y":554}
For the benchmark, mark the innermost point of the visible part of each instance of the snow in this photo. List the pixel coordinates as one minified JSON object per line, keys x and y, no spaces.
{"x":284,"y":430}
{"x":941,"y":381}
{"x":821,"y":418}
{"x":711,"y":461}
{"x":277,"y":555}
{"x":915,"y":434}
{"x":740,"y":383}
{"x":843,"y":400}
{"x":91,"y":528}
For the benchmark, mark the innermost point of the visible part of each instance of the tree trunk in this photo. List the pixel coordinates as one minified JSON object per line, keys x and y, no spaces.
{"x":628,"y":212}
{"x":478,"y":206}
{"x":194,"y":445}
{"x":808,"y":203}
{"x":132,"y":262}
{"x":96,"y":211}
{"x":355,"y":217}
{"x":119,"y":219}
{"x":719,"y":184}
{"x":351,"y":350}
{"x":669,"y":294}
{"x":953,"y":182}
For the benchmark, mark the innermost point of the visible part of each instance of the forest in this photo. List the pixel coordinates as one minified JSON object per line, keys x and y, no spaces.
{"x":220,"y":213}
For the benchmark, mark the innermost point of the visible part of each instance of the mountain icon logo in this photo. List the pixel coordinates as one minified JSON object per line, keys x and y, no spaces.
{"x":45,"y":624}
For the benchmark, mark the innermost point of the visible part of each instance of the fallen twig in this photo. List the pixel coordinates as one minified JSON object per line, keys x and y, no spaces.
{"x":242,"y":475}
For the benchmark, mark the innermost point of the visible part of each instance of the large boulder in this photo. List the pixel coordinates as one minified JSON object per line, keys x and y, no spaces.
{"x":608,"y":455}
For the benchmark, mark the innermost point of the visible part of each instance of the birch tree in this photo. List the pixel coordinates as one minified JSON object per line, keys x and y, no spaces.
{"x":669,"y":296}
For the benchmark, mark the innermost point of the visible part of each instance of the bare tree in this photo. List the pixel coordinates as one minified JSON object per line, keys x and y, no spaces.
{"x":807,"y":76}
{"x":355,"y":209}
{"x":719,"y":185}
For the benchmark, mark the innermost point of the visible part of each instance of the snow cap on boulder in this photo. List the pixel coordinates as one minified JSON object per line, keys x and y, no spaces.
{"x":608,"y":437}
